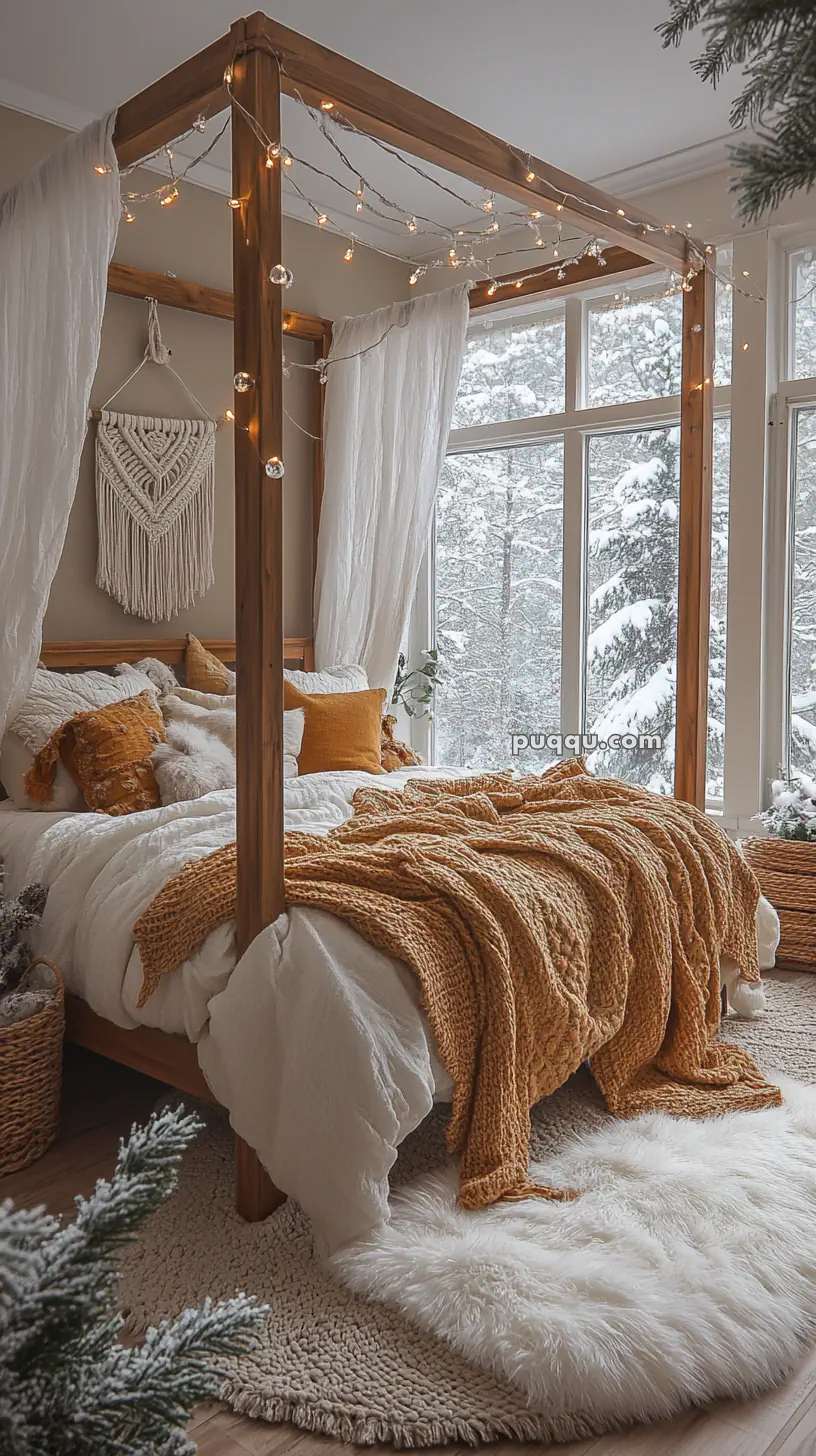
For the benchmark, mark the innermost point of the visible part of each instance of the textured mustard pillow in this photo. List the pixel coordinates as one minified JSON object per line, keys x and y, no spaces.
{"x":203,"y":672}
{"x":107,"y":752}
{"x":340,"y":730}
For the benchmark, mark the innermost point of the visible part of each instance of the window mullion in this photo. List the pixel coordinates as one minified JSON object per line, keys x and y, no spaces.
{"x":573,"y":578}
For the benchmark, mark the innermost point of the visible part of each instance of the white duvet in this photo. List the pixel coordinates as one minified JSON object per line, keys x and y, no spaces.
{"x":315,"y":1041}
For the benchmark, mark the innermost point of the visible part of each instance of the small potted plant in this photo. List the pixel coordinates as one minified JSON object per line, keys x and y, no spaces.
{"x":785,"y":865}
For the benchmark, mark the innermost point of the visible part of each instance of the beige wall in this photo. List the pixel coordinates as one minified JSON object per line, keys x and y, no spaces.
{"x":193,"y":239}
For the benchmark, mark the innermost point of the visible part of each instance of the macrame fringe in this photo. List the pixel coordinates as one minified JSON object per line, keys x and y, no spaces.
{"x":155,"y":513}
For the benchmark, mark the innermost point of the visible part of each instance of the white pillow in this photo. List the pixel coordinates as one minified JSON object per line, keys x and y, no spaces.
{"x":346,"y":678}
{"x":54,"y":697}
{"x":16,"y":760}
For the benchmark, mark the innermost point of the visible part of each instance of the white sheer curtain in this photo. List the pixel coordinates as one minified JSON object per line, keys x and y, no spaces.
{"x":57,"y":232}
{"x":388,"y":414}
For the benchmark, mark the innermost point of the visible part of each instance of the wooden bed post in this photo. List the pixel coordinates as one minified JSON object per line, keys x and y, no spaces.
{"x":258,"y":539}
{"x":694,"y":583}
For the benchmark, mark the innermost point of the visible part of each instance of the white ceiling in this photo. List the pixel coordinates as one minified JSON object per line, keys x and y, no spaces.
{"x":582,"y":83}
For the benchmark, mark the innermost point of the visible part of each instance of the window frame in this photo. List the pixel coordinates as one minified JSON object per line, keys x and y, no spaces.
{"x":575,"y":425}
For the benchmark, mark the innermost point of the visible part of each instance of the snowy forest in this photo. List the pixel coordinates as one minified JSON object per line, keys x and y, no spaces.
{"x":498,"y":548}
{"x":803,"y":604}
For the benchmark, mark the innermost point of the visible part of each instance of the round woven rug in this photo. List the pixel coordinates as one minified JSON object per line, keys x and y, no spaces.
{"x":363,"y":1371}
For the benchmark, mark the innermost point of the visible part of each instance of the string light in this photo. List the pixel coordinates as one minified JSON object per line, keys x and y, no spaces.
{"x":489,"y":203}
{"x":492,"y":289}
{"x":101,"y":170}
{"x":228,"y":76}
{"x":412,"y":225}
{"x":233,"y":202}
{"x":349,"y":253}
{"x":322,"y":219}
{"x":281,"y":276}
{"x":535,"y":215}
{"x":130,"y":216}
{"x":745,"y":348}
{"x":273,"y":152}
{"x":327,"y":106}
{"x":531,"y":176}
{"x":287,"y":161}
{"x":242,"y":382}
{"x":171,"y":197}
{"x":621,"y":212}
{"x":414,"y":278}
{"x":274,"y":467}
{"x":229,"y":415}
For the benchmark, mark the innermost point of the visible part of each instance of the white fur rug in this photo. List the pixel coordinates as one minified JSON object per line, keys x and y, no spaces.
{"x":685,"y":1272}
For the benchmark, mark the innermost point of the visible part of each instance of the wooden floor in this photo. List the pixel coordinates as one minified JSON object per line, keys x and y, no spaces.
{"x":101,"y":1101}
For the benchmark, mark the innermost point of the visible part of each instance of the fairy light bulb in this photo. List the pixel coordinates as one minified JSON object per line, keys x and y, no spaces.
{"x":494,"y":226}
{"x":349,"y":253}
{"x":488,"y":204}
{"x":281,"y":276}
{"x":361,"y":189}
{"x":130,"y":217}
{"x":539,"y":242}
{"x":200,"y":123}
{"x":555,"y":253}
{"x":535,"y":214}
{"x":242,"y":382}
{"x":228,"y":76}
{"x":745,"y":348}
{"x":322,"y":219}
{"x":287,"y":161}
{"x":492,"y":289}
{"x":621,"y":212}
{"x":559,"y":207}
{"x":233,"y":202}
{"x":518,"y":282}
{"x":171,"y":197}
{"x":229,"y":415}
{"x":274,"y":467}
{"x":359,"y":207}
{"x":412,"y":225}
{"x":414,"y":278}
{"x":327,"y":106}
{"x":101,"y":170}
{"x":273,"y":152}
{"x":530,"y":176}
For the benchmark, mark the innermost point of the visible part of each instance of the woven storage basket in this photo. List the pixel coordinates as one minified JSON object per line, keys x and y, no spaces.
{"x":30,"y":1080}
{"x":786,"y":870}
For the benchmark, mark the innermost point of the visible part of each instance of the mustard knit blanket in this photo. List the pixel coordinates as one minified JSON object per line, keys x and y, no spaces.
{"x":549,"y":920}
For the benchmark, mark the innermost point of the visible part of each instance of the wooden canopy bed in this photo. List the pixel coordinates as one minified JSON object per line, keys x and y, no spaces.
{"x":267,"y":60}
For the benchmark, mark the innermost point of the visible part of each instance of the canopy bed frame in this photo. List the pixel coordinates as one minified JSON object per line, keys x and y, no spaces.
{"x":267,"y":60}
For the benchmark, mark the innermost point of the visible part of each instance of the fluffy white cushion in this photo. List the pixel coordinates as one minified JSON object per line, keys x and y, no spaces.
{"x":15,"y":761}
{"x":199,"y":754}
{"x":54,"y":697}
{"x":191,"y":763}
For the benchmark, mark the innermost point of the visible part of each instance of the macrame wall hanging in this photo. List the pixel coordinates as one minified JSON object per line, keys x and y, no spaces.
{"x":155,"y":494}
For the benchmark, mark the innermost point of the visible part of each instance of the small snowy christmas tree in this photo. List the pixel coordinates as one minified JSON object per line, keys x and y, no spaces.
{"x":67,"y":1387}
{"x":792,"y":814}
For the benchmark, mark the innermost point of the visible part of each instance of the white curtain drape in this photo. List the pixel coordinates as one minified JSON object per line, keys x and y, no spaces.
{"x":387,"y":419}
{"x":57,"y":232}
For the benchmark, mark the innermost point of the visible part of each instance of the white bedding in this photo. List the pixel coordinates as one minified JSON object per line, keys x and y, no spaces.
{"x":315,"y":1041}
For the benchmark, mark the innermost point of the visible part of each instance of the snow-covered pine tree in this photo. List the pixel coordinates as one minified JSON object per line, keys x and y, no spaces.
{"x":633,"y":553}
{"x":67,"y":1387}
{"x":498,"y":554}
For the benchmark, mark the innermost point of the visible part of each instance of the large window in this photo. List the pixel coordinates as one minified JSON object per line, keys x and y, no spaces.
{"x":552,"y":591}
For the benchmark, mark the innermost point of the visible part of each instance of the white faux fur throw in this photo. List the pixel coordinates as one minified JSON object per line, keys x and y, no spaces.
{"x":199,"y":754}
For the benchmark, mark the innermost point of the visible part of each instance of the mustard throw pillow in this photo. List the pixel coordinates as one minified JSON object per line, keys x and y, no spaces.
{"x":107,"y":751}
{"x":203,"y":672}
{"x":340,"y":730}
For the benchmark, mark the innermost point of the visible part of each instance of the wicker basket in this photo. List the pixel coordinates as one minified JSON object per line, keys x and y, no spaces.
{"x":786,"y":870}
{"x":30,"y":1079}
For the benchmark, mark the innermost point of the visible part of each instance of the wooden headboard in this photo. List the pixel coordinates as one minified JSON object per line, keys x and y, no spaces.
{"x":298,"y":651}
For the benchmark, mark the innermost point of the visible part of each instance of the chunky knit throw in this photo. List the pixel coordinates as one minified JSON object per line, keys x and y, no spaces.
{"x":549,"y":920}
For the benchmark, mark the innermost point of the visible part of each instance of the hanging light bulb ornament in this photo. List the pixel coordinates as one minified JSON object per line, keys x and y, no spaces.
{"x":488,"y":204}
{"x":200,"y":122}
{"x":242,"y":382}
{"x":322,"y":219}
{"x":274,"y":467}
{"x":273,"y":151}
{"x":349,"y":253}
{"x":281,"y":275}
{"x":101,"y":170}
